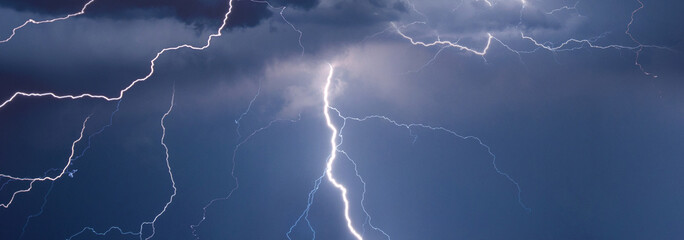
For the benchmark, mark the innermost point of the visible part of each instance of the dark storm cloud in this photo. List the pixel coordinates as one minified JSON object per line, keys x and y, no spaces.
{"x":245,"y":13}
{"x":476,"y":17}
{"x":122,"y":46}
{"x":343,"y":14}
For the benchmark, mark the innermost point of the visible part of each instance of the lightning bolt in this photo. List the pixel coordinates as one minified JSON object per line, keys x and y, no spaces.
{"x":363,"y":194}
{"x":479,"y":141}
{"x":299,"y":40}
{"x":305,"y":213}
{"x":336,"y":133}
{"x":568,"y":45}
{"x":70,"y":162}
{"x":282,"y":10}
{"x":249,"y":107}
{"x":574,"y":8}
{"x":335,"y":149}
{"x":445,"y":43}
{"x":42,"y":207}
{"x":151,"y":72}
{"x":44,"y":178}
{"x":168,"y":167}
{"x":92,"y":230}
{"x":31,"y":21}
{"x":333,"y":154}
{"x":640,"y":47}
{"x":196,"y":226}
{"x":89,"y":95}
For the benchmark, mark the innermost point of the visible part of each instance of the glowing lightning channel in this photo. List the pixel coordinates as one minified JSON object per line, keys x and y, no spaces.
{"x":409,"y":126}
{"x":14,"y":30}
{"x":640,"y":46}
{"x":92,"y":230}
{"x":282,"y":10}
{"x":299,"y":40}
{"x":196,"y":226}
{"x":363,"y":194}
{"x":152,"y":62}
{"x":45,"y":178}
{"x":168,"y":166}
{"x":249,"y":107}
{"x":568,"y":45}
{"x":445,"y":43}
{"x":42,"y":207}
{"x":574,"y":7}
{"x":333,"y":154}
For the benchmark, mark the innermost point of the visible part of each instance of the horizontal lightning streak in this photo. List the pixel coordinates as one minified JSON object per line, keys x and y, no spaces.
{"x":445,"y":43}
{"x":574,"y":7}
{"x":152,"y":64}
{"x":567,"y":45}
{"x":92,"y":230}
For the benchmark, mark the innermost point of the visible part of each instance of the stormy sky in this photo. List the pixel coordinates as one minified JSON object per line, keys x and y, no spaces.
{"x":514,"y":139}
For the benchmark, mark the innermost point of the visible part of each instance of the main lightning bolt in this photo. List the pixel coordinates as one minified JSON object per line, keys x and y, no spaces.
{"x":333,"y":154}
{"x":31,"y":21}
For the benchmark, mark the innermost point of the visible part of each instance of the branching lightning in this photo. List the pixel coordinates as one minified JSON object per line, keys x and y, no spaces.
{"x":152,"y":64}
{"x":640,"y":47}
{"x":335,"y":149}
{"x":568,"y":45}
{"x":31,"y":21}
{"x":44,"y":178}
{"x":336,"y":136}
{"x":249,"y":107}
{"x":282,"y":10}
{"x":168,"y":167}
{"x":121,"y":93}
{"x":563,"y":8}
{"x":440,"y":42}
{"x":243,"y":141}
{"x":42,"y":207}
{"x":410,"y":126}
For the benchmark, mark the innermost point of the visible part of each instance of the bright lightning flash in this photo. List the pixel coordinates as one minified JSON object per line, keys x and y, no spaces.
{"x":333,"y":154}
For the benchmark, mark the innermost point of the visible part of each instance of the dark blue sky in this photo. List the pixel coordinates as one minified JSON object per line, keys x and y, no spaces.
{"x":588,"y":145}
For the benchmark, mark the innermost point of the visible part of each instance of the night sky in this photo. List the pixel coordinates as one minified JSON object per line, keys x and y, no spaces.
{"x":566,"y":123}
